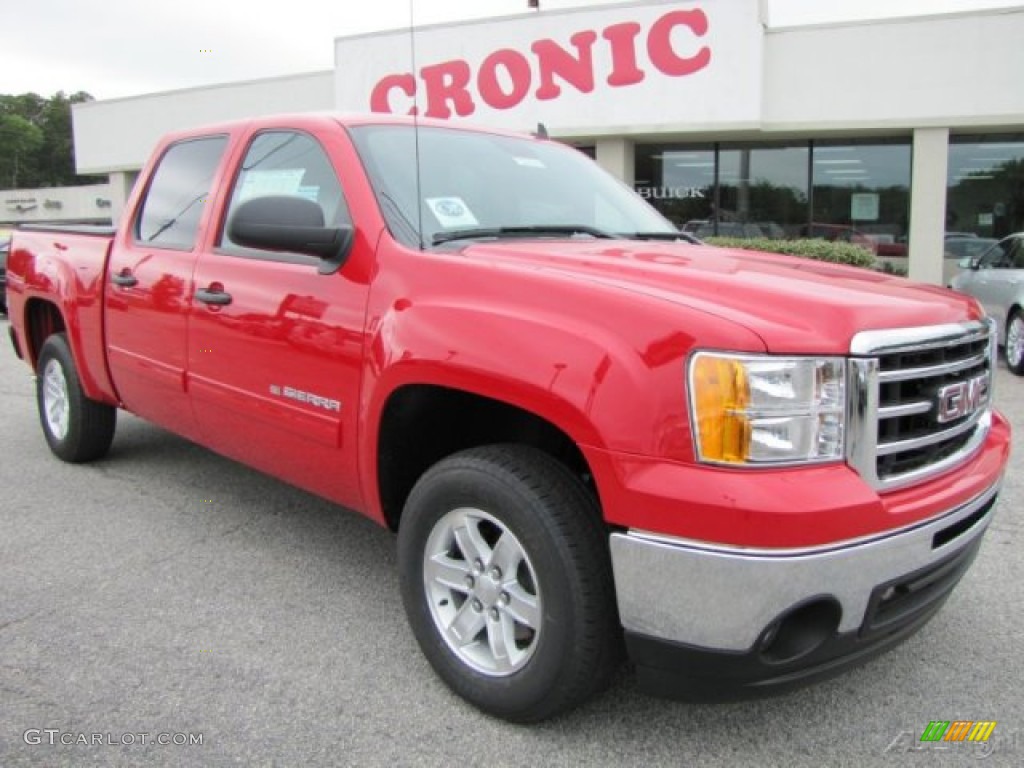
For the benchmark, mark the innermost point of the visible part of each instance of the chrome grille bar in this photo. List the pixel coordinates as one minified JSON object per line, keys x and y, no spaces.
{"x":895,"y":376}
{"x":933,"y":370}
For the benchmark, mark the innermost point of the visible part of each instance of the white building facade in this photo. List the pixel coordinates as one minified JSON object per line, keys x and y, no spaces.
{"x":892,"y":133}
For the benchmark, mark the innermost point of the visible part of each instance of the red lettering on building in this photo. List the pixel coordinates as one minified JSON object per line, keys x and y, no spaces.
{"x":380,"y":97}
{"x":505,"y":77}
{"x":444,"y":82}
{"x":553,"y":59}
{"x":623,"y":44}
{"x":659,"y":43}
{"x":517,"y":70}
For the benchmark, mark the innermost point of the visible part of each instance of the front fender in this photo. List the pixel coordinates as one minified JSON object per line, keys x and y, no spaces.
{"x":610,"y":376}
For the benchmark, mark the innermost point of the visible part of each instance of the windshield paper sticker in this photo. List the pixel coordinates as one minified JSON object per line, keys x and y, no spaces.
{"x":452,"y":212}
{"x":530,"y":162}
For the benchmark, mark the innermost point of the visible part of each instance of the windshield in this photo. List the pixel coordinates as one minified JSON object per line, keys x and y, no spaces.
{"x":479,"y":184}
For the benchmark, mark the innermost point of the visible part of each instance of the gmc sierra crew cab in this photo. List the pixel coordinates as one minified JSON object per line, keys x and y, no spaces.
{"x":744,"y":471}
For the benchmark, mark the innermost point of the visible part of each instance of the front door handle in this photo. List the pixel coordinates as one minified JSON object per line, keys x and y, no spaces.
{"x":215,"y":295}
{"x":124,"y":278}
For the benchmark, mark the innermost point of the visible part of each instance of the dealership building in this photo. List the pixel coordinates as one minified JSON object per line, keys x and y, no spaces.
{"x":891,"y":133}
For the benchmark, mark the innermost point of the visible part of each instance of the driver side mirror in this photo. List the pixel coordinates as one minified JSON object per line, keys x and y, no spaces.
{"x":290,"y":224}
{"x":969,"y":263}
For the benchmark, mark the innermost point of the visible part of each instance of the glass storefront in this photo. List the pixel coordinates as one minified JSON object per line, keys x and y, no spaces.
{"x":857,"y":191}
{"x":862,"y":194}
{"x":762,"y":190}
{"x":985,"y":186}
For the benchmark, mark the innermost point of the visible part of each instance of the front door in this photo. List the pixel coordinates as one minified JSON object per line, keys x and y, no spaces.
{"x":275,"y":344}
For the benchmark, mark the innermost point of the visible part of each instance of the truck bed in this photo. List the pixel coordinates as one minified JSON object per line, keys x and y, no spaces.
{"x":67,"y":263}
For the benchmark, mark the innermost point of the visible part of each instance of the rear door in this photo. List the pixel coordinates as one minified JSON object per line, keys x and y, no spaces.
{"x":276,"y":343}
{"x":150,"y":284}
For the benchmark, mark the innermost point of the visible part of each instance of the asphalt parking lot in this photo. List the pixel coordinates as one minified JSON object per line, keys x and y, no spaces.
{"x":167,"y":591}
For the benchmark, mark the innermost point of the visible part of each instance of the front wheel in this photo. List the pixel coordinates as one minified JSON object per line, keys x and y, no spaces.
{"x":77,"y":429}
{"x":1015,"y":343}
{"x":507,"y":583}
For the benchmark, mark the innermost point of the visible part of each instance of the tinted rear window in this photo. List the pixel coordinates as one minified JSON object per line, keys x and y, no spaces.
{"x":170,"y":214}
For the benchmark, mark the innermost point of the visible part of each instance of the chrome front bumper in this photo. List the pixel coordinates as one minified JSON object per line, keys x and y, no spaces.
{"x":728,"y":599}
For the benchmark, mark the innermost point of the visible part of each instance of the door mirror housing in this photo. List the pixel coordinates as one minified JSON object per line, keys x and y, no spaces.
{"x":291,"y":224}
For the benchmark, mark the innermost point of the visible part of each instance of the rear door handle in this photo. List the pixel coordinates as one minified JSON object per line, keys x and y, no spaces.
{"x":215,"y":294}
{"x":124,"y":279}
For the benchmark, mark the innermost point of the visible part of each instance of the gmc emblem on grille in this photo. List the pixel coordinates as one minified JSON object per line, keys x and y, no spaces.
{"x":963,"y":398}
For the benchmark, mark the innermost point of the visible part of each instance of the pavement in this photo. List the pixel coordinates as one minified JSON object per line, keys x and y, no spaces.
{"x":168,"y":594}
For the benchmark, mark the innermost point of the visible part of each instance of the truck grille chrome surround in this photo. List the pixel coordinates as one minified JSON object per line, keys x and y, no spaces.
{"x":920,"y":400}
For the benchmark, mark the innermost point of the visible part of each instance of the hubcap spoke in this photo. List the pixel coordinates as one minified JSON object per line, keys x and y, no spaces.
{"x":501,"y":639}
{"x":523,"y":606}
{"x":471,"y":543}
{"x":506,"y":555}
{"x":447,"y":572}
{"x":467,"y":624}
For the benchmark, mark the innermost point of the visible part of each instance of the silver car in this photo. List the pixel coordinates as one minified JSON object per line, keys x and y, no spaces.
{"x":996,"y":279}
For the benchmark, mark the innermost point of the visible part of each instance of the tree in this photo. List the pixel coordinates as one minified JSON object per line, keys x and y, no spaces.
{"x":19,"y":142}
{"x":36,"y":145}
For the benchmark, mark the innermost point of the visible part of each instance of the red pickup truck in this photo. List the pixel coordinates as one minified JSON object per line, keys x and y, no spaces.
{"x":746,"y":471}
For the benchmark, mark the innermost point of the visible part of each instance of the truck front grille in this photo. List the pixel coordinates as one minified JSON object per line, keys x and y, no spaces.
{"x":921,"y":400}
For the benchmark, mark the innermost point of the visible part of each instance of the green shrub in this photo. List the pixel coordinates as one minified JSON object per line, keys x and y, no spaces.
{"x":891,"y":269}
{"x":821,"y":250}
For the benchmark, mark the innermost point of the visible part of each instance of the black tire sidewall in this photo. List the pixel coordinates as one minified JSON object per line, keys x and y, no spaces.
{"x":90,"y":424}
{"x":521,"y":695}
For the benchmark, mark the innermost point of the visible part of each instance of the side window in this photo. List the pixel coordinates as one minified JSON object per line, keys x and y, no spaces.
{"x":287,"y":163}
{"x":998,"y":255}
{"x":170,"y":213}
{"x":1017,"y":255}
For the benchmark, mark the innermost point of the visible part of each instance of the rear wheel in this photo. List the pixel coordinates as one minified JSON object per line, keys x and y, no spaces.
{"x":1015,"y":342}
{"x":77,"y":429}
{"x":507,"y":582}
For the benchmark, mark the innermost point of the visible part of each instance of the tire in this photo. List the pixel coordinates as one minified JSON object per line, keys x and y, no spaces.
{"x":540,"y":635}
{"x":1015,"y":343}
{"x":77,"y":429}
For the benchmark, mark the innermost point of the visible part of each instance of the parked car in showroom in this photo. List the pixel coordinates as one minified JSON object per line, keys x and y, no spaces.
{"x":996,"y":279}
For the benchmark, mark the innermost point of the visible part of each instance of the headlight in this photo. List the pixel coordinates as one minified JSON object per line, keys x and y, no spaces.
{"x":763,"y":410}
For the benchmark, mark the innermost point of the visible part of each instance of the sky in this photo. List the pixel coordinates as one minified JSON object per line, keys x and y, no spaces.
{"x":117,"y":48}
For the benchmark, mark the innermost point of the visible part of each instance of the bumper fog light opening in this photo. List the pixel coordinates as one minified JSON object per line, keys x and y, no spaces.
{"x":800,"y":630}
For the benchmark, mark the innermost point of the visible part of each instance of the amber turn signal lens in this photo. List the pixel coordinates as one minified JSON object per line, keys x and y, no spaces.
{"x":721,"y":394}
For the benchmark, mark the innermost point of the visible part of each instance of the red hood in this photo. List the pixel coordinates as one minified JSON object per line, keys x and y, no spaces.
{"x":795,"y":305}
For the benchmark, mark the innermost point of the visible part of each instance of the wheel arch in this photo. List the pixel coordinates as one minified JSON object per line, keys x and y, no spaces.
{"x":42,"y":319}
{"x":420,"y":424}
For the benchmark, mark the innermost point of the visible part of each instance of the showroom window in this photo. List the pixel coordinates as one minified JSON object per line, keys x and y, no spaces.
{"x":862,"y":194}
{"x":762,"y":190}
{"x":855,"y":190}
{"x":985,"y":186}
